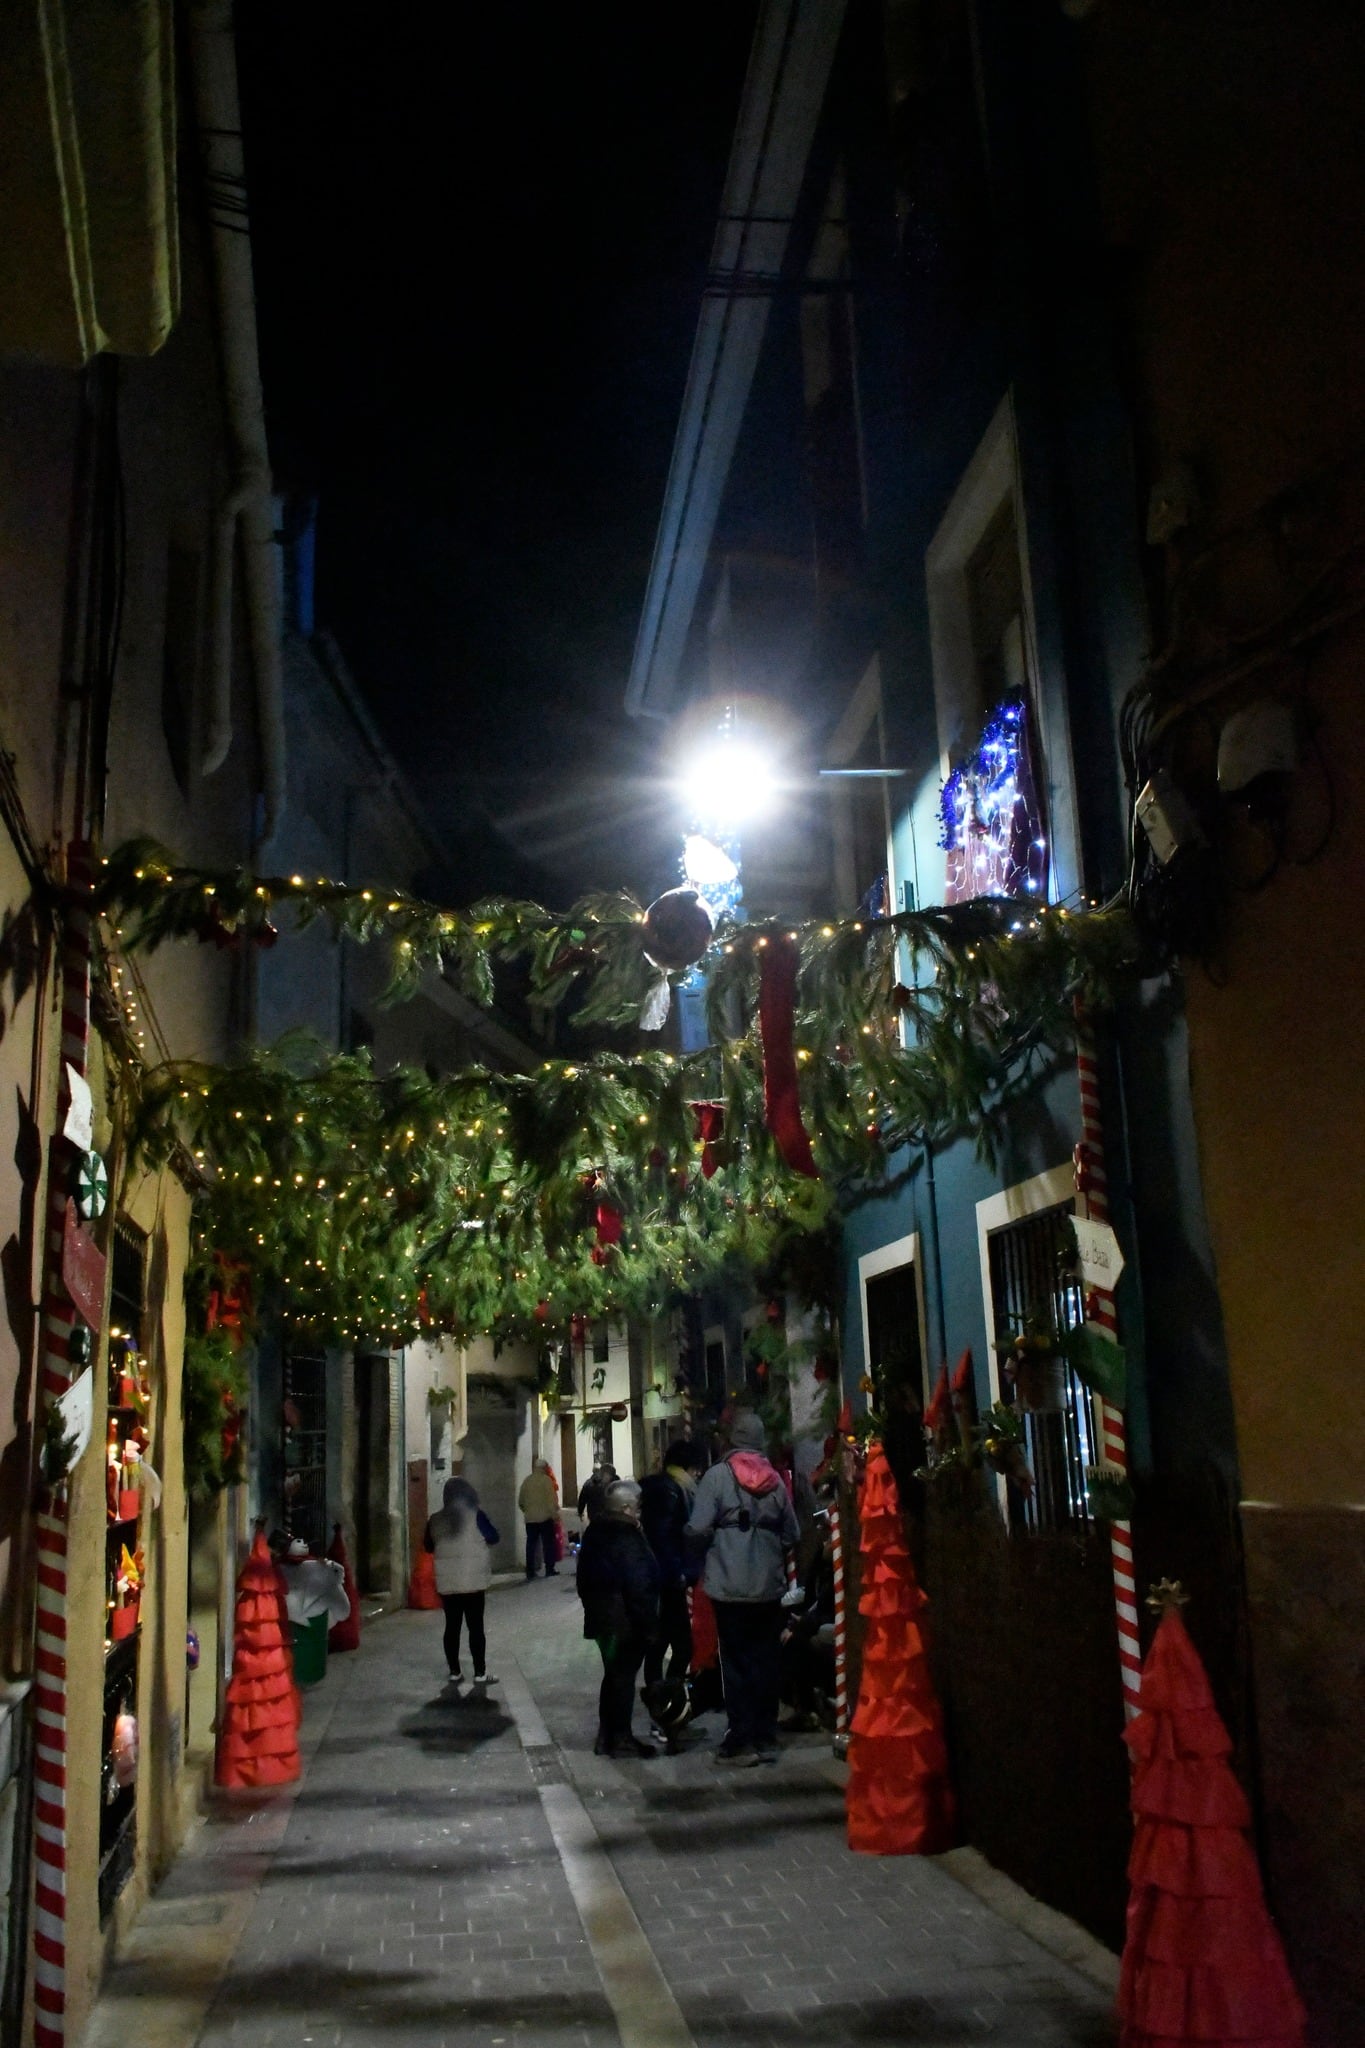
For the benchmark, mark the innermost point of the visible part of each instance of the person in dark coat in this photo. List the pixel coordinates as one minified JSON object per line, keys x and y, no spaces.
{"x":591,"y":1492}
{"x":618,"y":1583}
{"x":665,"y":1504}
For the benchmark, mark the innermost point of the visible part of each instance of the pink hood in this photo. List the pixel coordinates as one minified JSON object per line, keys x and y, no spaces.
{"x":753,"y":1471}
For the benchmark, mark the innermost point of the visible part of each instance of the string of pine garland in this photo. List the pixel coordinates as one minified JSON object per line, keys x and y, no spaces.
{"x":383,"y":1205}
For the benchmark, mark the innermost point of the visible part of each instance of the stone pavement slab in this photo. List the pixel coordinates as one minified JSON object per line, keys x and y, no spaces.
{"x":770,"y":1932}
{"x":418,"y":1896}
{"x":459,"y":1871}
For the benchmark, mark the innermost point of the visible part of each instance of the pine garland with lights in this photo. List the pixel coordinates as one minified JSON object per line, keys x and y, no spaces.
{"x":386,"y":1205}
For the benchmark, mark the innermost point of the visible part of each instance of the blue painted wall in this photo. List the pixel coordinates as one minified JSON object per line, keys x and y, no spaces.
{"x":935,"y":363}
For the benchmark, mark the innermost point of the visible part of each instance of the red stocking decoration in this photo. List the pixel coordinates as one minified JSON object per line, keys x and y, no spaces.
{"x":344,"y":1635}
{"x":258,"y":1741}
{"x":1202,"y":1963}
{"x":710,"y":1125}
{"x":899,"y":1801}
{"x":608,"y":1223}
{"x":776,"y":1017}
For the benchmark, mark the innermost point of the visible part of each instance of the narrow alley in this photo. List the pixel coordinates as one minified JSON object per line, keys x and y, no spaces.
{"x":461,"y":1872}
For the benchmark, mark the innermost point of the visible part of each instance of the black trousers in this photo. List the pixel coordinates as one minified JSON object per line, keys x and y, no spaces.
{"x":750,"y":1634}
{"x":540,"y":1536}
{"x":462,"y":1607}
{"x":674,"y":1637}
{"x":621,"y":1659}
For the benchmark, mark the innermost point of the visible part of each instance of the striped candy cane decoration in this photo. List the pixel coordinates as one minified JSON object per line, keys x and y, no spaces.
{"x":1093,"y":1199}
{"x":49,"y":1690}
{"x":840,"y":1623}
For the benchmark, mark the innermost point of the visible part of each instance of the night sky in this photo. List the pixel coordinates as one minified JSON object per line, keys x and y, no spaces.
{"x":480,"y":238}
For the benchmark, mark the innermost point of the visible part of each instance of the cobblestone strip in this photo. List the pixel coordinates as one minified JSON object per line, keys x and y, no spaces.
{"x":647,"y":2014}
{"x":771,"y":1933}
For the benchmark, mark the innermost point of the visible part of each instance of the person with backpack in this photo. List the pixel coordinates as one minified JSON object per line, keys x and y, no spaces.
{"x":743,"y":1519}
{"x":618,"y":1583}
{"x":460,"y":1538}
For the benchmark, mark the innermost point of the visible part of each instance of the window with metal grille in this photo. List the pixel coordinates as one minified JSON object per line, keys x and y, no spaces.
{"x":1034,"y":1293}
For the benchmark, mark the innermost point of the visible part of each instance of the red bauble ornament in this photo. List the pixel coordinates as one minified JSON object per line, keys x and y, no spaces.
{"x":677,"y":929}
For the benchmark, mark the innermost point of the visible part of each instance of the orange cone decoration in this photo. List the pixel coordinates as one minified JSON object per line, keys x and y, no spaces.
{"x":1202,"y":1963}
{"x":422,"y":1585}
{"x":899,"y":1801}
{"x":344,"y":1635}
{"x":258,"y":1740}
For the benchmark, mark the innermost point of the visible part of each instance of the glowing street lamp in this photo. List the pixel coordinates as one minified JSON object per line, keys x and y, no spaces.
{"x":726,"y":785}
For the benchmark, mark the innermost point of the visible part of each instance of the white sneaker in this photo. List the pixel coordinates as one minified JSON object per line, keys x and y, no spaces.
{"x":484,"y":1678}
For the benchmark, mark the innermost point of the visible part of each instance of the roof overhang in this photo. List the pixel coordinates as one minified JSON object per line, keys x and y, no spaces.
{"x":784,"y":90}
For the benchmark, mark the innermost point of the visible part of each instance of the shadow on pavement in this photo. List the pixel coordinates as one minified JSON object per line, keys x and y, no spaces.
{"x":454,"y":1723}
{"x":403,"y":2000}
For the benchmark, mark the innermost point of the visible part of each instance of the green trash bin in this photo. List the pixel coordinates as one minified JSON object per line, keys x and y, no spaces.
{"x":310,"y":1649}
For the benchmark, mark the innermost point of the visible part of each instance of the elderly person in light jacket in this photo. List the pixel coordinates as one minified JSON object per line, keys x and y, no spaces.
{"x":743,"y":1518}
{"x":540,"y":1506}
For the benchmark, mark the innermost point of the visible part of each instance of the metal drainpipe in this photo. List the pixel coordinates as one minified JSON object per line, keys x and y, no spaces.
{"x":248,"y":510}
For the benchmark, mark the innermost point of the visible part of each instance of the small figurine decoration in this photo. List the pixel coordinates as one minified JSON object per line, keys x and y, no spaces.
{"x":124,"y":1750}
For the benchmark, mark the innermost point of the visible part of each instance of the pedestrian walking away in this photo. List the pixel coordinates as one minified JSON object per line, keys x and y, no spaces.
{"x":460,"y":1538}
{"x":592,"y":1490}
{"x":665,"y":1503}
{"x":539,"y":1505}
{"x":743,"y":1519}
{"x":618,"y":1583}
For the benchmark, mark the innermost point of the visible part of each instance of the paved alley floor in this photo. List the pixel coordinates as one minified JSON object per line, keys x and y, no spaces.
{"x":461,"y":1872}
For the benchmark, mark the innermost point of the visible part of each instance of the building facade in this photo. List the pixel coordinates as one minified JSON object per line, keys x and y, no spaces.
{"x":996,"y":476}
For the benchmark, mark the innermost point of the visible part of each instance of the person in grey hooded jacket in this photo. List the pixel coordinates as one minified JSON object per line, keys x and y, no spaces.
{"x":742,"y":1516}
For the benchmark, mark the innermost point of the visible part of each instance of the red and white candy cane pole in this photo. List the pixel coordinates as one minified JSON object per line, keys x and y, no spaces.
{"x":1092,"y":1194}
{"x":49,"y":1689}
{"x":836,"y":1525}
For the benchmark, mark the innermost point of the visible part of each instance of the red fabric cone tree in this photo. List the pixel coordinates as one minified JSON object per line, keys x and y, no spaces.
{"x":899,"y":1801}
{"x":258,"y":1739}
{"x":344,"y":1635}
{"x":422,"y":1584}
{"x":1202,"y":1963}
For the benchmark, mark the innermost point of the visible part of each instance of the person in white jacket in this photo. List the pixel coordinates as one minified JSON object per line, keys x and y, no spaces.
{"x":459,"y":1538}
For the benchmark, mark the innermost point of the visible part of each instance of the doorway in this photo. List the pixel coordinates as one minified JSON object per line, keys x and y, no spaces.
{"x":894,"y":1351}
{"x":374,"y":1457}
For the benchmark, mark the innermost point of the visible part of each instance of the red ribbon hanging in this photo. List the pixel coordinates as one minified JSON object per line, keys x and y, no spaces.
{"x":776,"y":1019}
